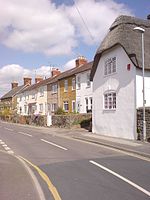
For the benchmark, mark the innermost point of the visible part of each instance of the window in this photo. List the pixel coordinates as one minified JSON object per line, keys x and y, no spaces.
{"x":78,"y":83}
{"x":66,"y":106}
{"x":65,"y":85}
{"x":41,"y":107}
{"x":110,"y":101}
{"x":90,"y":99}
{"x":41,"y":90}
{"x":88,"y":80}
{"x":54,"y":107}
{"x":78,"y":106}
{"x":20,"y":98}
{"x":73,"y":84}
{"x":25,"y":109}
{"x":54,"y":88}
{"x":33,"y":96}
{"x":86,"y":104}
{"x":110,"y":66}
{"x":73,"y":106}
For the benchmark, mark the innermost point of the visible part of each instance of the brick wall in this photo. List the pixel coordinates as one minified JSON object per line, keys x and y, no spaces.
{"x":140,"y":122}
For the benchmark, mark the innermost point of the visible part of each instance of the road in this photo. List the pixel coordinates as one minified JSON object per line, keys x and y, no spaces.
{"x":78,"y":170}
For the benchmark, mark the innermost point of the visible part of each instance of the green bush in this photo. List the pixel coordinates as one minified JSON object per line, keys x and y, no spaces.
{"x":59,"y":111}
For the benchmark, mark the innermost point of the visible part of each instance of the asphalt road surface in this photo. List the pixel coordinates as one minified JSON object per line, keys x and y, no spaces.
{"x":68,"y":169}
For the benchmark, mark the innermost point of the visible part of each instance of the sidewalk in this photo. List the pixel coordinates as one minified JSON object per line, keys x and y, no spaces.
{"x":16,"y":182}
{"x":136,"y":147}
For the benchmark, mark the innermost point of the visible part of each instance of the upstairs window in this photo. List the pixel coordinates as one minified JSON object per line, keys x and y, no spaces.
{"x":41,"y":91}
{"x":54,"y":88}
{"x":88,"y":80}
{"x":110,"y":66}
{"x":65,"y":85}
{"x":110,"y":101}
{"x":78,"y":82}
{"x":73,"y":84}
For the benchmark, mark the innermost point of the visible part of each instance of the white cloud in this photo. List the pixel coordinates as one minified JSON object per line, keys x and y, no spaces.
{"x":70,"y":64}
{"x":41,"y":26}
{"x":96,"y":18}
{"x":10,"y":73}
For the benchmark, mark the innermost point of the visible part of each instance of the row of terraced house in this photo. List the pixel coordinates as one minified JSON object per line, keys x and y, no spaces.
{"x":70,"y":90}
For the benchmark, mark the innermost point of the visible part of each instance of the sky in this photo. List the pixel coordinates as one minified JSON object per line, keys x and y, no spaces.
{"x":38,"y":34}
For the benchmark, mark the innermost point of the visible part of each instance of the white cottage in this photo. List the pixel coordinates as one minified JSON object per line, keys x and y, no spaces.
{"x":117,"y":79}
{"x":84,"y":89}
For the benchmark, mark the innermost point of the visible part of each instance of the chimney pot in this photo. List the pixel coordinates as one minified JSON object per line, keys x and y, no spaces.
{"x":14,"y":85}
{"x":81,"y":60}
{"x":55,"y":72}
{"x":38,"y":79}
{"x":27,"y":81}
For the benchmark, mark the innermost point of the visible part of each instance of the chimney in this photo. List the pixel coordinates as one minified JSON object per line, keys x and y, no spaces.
{"x":148,"y":17}
{"x":27,"y":81}
{"x":81,"y":60}
{"x":38,"y":79}
{"x":55,"y":72}
{"x":14,"y":85}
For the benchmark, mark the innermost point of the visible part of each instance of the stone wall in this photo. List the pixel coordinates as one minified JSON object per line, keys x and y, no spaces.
{"x":140,"y":122}
{"x":70,"y":120}
{"x":64,"y":121}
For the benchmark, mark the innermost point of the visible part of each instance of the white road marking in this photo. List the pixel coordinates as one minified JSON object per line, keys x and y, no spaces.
{"x":54,"y":144}
{"x":121,"y":177}
{"x":2,"y":142}
{"x":25,"y":134}
{"x":9,"y":129}
{"x":11,"y":152}
{"x":4,"y":145}
{"x":6,"y":148}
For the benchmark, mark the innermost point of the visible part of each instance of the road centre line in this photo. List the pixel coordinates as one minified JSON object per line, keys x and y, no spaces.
{"x":121,"y":177}
{"x":44,"y":176}
{"x":54,"y":144}
{"x":25,"y":134}
{"x":8,"y":129}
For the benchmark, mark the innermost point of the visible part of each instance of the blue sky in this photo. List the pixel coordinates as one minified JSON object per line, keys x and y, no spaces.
{"x":42,"y":33}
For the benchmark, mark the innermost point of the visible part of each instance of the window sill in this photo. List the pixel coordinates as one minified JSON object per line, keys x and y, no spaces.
{"x":109,"y":110}
{"x":105,"y":76}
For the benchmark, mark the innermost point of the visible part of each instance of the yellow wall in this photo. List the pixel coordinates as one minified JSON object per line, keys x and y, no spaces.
{"x":66,"y":96}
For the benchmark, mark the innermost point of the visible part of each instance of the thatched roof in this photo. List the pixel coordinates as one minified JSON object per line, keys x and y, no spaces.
{"x":121,"y":33}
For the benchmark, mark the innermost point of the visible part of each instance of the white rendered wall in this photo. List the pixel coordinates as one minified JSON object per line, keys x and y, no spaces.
{"x":37,"y":100}
{"x":120,"y":123}
{"x":84,"y":91}
{"x":139,"y":88}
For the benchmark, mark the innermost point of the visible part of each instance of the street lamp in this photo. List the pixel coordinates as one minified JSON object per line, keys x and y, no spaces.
{"x":141,"y":30}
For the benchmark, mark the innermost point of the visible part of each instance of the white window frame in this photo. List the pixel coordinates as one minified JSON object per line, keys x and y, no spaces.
{"x":78,"y":82}
{"x":53,"y":107}
{"x":66,"y":103}
{"x":88,"y":80}
{"x":66,"y":85}
{"x":54,"y":88}
{"x":73,"y":83}
{"x":110,"y":66}
{"x":41,"y":107}
{"x":109,"y":100}
{"x":86,"y":104}
{"x":73,"y":105}
{"x":41,"y":91}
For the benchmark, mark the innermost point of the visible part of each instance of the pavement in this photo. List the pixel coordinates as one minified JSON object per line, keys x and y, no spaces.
{"x":16,"y":181}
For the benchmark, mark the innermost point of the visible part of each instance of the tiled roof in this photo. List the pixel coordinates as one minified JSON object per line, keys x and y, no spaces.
{"x":76,"y":70}
{"x":121,"y":33}
{"x":13,"y":92}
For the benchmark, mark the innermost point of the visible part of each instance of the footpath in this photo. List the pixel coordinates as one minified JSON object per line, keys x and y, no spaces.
{"x":16,"y":182}
{"x":140,"y":148}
